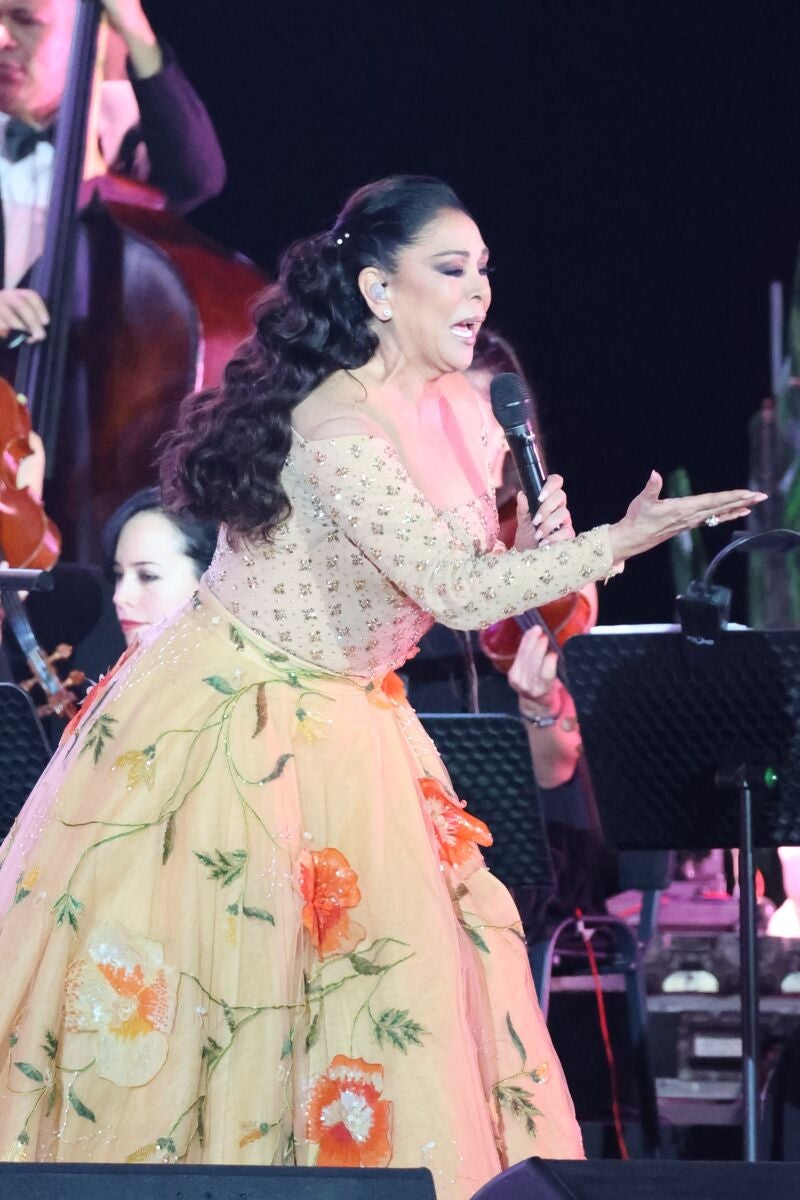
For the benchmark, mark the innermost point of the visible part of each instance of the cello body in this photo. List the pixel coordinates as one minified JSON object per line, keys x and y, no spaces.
{"x":157,"y":310}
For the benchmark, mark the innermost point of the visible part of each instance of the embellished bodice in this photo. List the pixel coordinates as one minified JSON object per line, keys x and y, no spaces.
{"x":364,"y":564}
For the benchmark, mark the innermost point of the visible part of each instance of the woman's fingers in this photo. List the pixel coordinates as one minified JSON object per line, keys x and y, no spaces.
{"x":718,"y":503}
{"x":650,"y":520}
{"x":526,"y":537}
{"x":553,"y":484}
{"x":552,"y":519}
{"x":534,"y":669}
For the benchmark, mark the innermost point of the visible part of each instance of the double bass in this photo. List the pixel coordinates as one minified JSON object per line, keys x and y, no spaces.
{"x":144,"y":309}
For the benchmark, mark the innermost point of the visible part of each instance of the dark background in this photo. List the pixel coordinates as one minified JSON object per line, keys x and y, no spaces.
{"x":633,"y":166}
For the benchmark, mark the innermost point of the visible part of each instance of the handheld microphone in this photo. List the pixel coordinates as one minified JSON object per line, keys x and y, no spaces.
{"x":513,"y":410}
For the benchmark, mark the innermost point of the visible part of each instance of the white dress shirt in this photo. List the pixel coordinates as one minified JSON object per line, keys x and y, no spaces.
{"x":25,"y":185}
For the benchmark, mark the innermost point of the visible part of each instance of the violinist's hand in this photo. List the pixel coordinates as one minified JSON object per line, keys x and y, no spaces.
{"x":551,"y":522}
{"x":30,"y":472}
{"x":533,"y":674}
{"x":127,"y":18}
{"x":25,"y":311}
{"x":650,"y":520}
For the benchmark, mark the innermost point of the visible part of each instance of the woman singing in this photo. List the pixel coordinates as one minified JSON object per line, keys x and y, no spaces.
{"x":245,"y":919}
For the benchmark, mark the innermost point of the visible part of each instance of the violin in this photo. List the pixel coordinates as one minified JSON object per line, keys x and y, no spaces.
{"x":28,"y":539}
{"x":561,"y":619}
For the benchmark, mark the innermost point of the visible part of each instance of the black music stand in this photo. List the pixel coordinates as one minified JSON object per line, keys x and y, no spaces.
{"x":697,"y":745}
{"x":24,"y":752}
{"x":488,"y":758}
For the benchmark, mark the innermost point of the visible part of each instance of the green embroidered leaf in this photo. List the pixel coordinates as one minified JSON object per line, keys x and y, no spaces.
{"x":167,"y":1145}
{"x":364,"y":967}
{"x":233,"y":909}
{"x":476,"y":938}
{"x":201,"y":1120}
{"x":12,"y":1039}
{"x":277,"y":770}
{"x":30,"y":1071}
{"x":262,"y":710}
{"x":236,"y":637}
{"x":67,"y":908}
{"x":23,"y":1137}
{"x":258,"y":914}
{"x":53,"y":1097}
{"x":21,"y":894}
{"x":277,"y":657}
{"x":224,"y":865}
{"x":100,"y":732}
{"x":396,"y":1027}
{"x":516,"y":1040}
{"x":288,"y":1044}
{"x":289,"y":1150}
{"x":50,"y":1046}
{"x":212,"y":1051}
{"x":519,"y":1104}
{"x":142,"y":1154}
{"x":220,"y":684}
{"x":169,"y":839}
{"x":313,"y":1031}
{"x":230,"y":1016}
{"x":80,"y":1107}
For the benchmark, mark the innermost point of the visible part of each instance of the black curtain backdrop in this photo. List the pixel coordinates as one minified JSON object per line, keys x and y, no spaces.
{"x":634,"y":167}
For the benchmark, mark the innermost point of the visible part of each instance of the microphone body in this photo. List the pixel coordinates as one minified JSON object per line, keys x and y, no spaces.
{"x":513,"y":410}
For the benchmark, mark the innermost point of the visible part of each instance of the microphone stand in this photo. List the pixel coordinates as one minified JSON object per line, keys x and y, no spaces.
{"x":20,"y":579}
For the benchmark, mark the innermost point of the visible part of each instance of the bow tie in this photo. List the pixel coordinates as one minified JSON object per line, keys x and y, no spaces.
{"x":22,"y":139}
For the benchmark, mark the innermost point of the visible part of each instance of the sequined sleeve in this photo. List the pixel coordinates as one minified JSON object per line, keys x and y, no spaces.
{"x":362,"y":486}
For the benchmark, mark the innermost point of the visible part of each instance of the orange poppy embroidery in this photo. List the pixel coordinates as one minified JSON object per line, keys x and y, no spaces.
{"x":389,"y":693}
{"x":329,"y":886}
{"x":347,"y":1116}
{"x":125,"y":995}
{"x":457,"y":833}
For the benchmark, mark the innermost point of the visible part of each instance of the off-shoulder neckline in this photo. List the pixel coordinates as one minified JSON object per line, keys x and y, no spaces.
{"x":307,"y":443}
{"x":343,"y":437}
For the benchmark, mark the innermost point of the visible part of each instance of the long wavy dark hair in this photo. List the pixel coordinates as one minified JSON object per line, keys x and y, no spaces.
{"x":223,"y":460}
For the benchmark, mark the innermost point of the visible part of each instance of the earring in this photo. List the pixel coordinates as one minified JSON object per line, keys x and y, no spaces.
{"x":387,"y":312}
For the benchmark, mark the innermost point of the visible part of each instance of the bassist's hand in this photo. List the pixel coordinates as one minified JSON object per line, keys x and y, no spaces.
{"x":23,"y":311}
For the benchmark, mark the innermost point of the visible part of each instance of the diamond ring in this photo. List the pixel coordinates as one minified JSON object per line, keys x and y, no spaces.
{"x":712,"y":520}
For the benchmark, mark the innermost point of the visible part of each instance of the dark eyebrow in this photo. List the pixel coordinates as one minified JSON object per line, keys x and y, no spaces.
{"x":145,"y":563}
{"x":459,"y":253}
{"x":462,"y":253}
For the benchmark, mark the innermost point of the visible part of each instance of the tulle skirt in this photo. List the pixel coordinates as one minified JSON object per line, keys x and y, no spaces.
{"x":244,"y":920}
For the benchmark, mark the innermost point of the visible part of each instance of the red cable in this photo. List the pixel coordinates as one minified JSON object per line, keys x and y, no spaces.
{"x":601,"y":1012}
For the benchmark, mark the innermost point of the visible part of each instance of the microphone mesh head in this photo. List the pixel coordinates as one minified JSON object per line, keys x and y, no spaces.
{"x":511,"y":404}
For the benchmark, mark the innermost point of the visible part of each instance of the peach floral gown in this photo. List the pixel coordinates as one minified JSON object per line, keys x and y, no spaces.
{"x":244,"y":918}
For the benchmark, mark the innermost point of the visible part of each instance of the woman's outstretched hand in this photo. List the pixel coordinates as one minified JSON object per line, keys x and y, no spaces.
{"x":650,"y":520}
